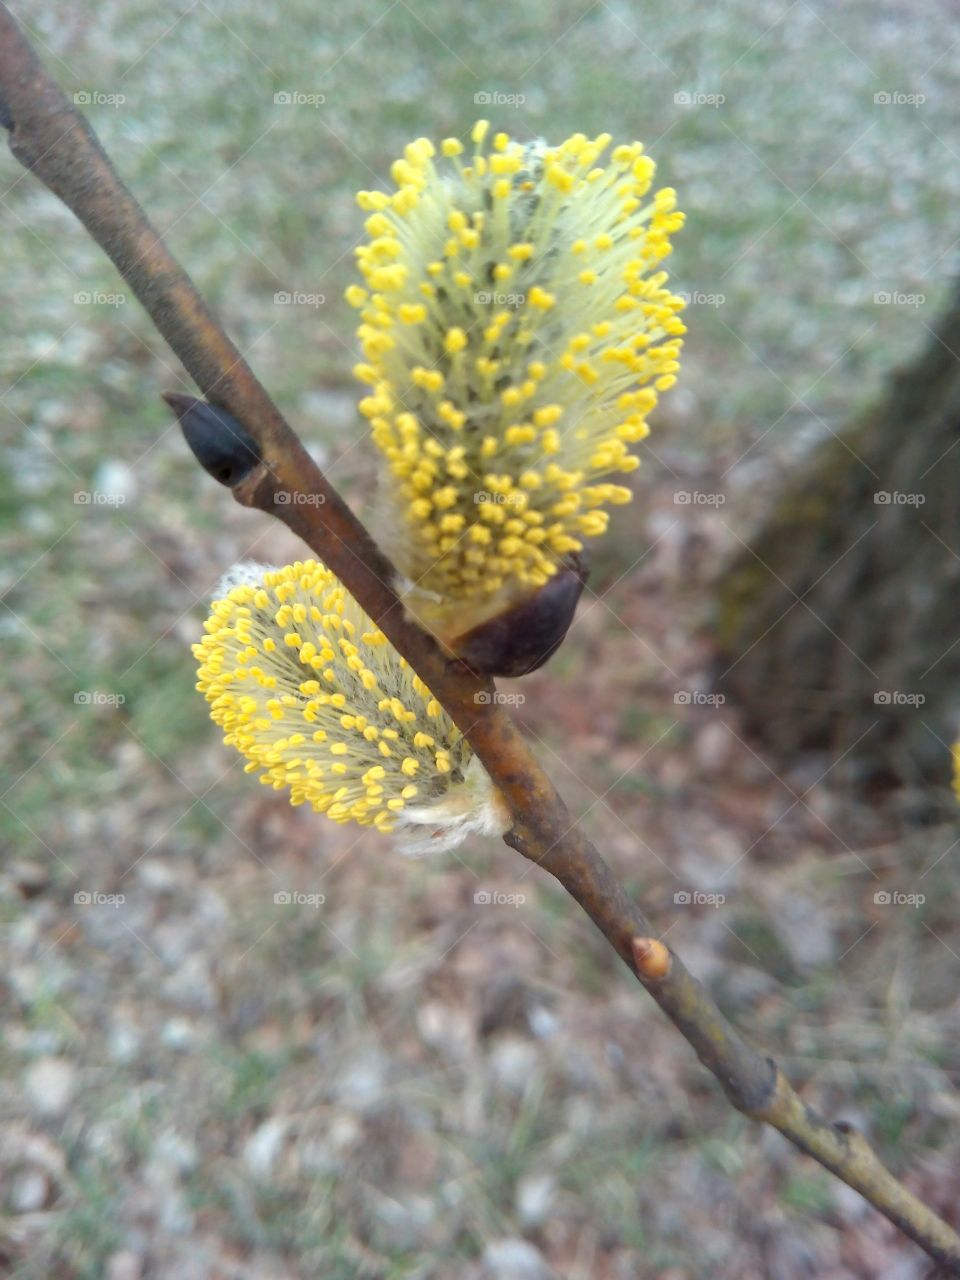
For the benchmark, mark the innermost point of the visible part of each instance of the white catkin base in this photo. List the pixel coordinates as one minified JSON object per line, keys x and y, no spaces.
{"x":474,"y":807}
{"x":248,"y":573}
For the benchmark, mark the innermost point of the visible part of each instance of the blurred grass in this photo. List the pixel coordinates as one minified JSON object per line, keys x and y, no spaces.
{"x":804,"y":200}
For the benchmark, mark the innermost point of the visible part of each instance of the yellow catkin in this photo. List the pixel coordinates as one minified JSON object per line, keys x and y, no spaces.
{"x":516,"y":322}
{"x":330,"y":712}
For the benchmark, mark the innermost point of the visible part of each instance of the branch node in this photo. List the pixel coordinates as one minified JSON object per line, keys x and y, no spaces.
{"x":651,"y":958}
{"x":517,"y":840}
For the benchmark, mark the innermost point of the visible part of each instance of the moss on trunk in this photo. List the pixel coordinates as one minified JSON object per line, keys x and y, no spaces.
{"x":840,"y":626}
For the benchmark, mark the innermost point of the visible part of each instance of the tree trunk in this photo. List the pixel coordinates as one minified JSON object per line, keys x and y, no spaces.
{"x":840,"y":626}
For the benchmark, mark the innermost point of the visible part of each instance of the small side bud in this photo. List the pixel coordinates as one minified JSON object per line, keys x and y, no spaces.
{"x":219,"y":443}
{"x":525,"y":635}
{"x":651,"y":958}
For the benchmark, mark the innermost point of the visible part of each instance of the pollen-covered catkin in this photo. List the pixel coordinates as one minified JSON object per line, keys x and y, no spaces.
{"x":313,"y":694}
{"x":516,"y":328}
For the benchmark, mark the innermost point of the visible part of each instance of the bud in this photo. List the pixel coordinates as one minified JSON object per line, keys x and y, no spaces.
{"x":219,"y":443}
{"x":516,"y":332}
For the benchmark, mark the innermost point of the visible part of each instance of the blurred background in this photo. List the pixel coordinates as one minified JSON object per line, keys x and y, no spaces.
{"x":438,"y":1069}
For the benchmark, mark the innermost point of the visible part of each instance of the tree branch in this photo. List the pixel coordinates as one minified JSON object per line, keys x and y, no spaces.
{"x":54,"y":141}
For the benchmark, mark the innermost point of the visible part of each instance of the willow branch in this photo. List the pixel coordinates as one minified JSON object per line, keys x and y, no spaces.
{"x":50,"y":138}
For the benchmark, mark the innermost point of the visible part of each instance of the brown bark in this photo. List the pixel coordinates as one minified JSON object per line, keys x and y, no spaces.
{"x":840,"y":624}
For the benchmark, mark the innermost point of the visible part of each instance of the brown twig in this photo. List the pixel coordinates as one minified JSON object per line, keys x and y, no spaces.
{"x":55,"y":142}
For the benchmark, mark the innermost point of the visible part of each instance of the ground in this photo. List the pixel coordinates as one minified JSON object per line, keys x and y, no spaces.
{"x":404,"y":1079}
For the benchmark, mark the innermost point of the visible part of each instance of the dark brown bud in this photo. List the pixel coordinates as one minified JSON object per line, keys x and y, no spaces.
{"x":526,"y":634}
{"x":219,"y":443}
